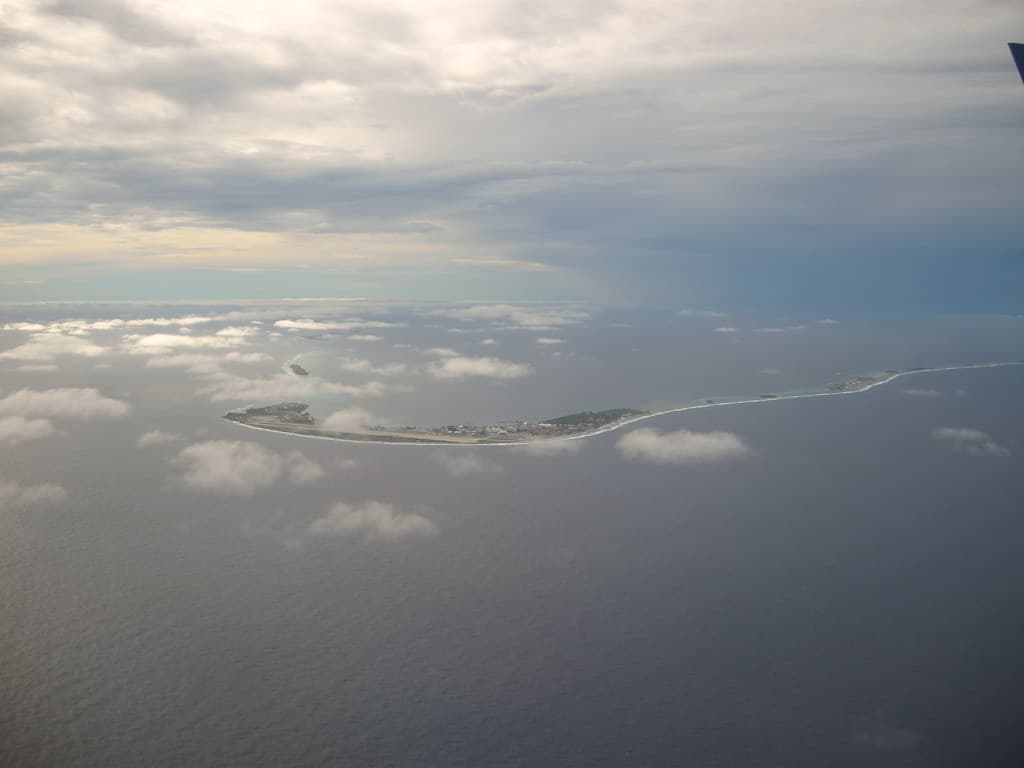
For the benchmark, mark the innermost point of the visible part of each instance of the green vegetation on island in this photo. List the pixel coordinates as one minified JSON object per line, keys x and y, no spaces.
{"x":594,"y":419}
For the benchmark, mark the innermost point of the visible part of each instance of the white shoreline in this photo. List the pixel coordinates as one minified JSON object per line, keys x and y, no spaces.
{"x":425,"y":443}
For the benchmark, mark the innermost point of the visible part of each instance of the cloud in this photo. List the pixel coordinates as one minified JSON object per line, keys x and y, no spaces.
{"x":365,"y":337}
{"x":37,"y":368}
{"x":355,"y":365}
{"x":520,"y":316}
{"x":345,"y":464}
{"x":17,"y":429}
{"x":548,"y":340}
{"x":373,"y":520}
{"x":441,"y":352}
{"x":701,"y":313}
{"x":67,"y":403}
{"x":549,"y":447}
{"x":241,"y":468}
{"x":780,"y":329}
{"x":682,"y":447}
{"x":348,"y":420}
{"x":725,"y":329}
{"x":203,"y":362}
{"x":163,"y":343}
{"x":247,"y":357}
{"x":970,"y":441}
{"x":362,"y":138}
{"x":484,"y":367}
{"x":463,"y":464}
{"x":46,"y":347}
{"x":156,"y":437}
{"x":13,"y":495}
{"x":827,"y":321}
{"x":921,"y":392}
{"x":226,"y":387}
{"x":488,"y":342}
{"x":325,"y":325}
{"x":235,"y":331}
{"x":301,"y":471}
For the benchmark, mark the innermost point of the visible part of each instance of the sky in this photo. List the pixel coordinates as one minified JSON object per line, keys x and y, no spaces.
{"x":772,"y":155}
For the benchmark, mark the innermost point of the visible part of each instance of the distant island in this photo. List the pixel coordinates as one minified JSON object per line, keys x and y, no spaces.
{"x":295,"y":418}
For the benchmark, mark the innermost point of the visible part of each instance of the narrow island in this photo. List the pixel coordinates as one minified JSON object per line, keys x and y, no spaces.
{"x":294,"y":418}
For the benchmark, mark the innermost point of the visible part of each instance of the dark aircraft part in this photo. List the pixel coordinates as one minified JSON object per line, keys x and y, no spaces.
{"x":1017,"y":51}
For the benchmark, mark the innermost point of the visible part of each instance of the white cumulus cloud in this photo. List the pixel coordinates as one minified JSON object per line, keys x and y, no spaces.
{"x":241,"y":468}
{"x":373,"y":520}
{"x":348,"y":420}
{"x":971,"y":441}
{"x":156,"y":437}
{"x":484,"y":367}
{"x":356,"y":365}
{"x":165,"y":343}
{"x":45,"y":347}
{"x":71,"y":403}
{"x":681,"y":447}
{"x":17,"y":429}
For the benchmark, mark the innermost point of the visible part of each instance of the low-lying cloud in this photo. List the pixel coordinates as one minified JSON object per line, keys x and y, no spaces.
{"x":373,"y":520}
{"x":46,"y":347}
{"x":549,"y":447}
{"x":18,"y":429}
{"x":165,"y":343}
{"x":682,"y":447}
{"x":701,"y":313}
{"x":535,"y":318}
{"x":357,"y":365}
{"x":156,"y":437}
{"x":13,"y":495}
{"x":482,"y":367}
{"x":241,"y":468}
{"x":70,"y":403}
{"x":348,"y":420}
{"x":464,"y":464}
{"x":970,"y":441}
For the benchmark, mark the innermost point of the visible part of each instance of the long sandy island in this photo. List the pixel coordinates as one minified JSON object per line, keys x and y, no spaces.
{"x":380,"y":438}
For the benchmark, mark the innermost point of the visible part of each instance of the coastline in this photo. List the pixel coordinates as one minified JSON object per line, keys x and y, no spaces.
{"x":634,"y":420}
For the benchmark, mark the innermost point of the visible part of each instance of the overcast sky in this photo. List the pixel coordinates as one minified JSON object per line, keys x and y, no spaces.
{"x":841,"y":155}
